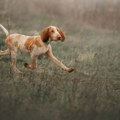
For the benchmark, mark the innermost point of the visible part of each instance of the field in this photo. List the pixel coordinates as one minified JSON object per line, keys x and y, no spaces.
{"x":91,"y":92}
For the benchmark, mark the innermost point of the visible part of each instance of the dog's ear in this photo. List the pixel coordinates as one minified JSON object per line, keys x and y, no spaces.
{"x":61,"y":33}
{"x":45,"y":34}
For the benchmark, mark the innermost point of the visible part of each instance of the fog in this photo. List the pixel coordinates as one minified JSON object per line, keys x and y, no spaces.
{"x":93,"y":12}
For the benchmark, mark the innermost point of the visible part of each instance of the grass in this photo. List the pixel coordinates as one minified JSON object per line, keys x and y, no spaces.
{"x":92,"y":92}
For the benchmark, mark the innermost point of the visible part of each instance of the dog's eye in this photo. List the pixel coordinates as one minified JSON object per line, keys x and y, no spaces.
{"x":52,"y":31}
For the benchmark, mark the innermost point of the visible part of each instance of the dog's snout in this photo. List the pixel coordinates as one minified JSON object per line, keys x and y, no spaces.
{"x":59,"y":37}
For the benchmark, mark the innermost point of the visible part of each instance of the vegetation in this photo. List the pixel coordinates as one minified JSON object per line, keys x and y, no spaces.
{"x":91,"y":92}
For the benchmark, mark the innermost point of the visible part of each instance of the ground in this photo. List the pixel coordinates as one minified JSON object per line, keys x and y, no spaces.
{"x":91,"y":92}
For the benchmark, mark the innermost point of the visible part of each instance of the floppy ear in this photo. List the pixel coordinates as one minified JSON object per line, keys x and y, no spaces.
{"x":45,"y":34}
{"x":61,"y":33}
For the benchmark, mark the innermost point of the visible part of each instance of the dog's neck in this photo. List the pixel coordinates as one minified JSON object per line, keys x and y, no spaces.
{"x":47,"y":42}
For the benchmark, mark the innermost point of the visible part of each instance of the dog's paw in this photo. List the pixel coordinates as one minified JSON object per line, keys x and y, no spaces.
{"x":71,"y":70}
{"x":29,"y":66}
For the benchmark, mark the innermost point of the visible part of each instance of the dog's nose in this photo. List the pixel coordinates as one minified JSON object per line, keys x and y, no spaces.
{"x":59,"y":37}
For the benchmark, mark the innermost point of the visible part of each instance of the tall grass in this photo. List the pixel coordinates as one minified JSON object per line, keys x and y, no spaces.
{"x":92,"y":92}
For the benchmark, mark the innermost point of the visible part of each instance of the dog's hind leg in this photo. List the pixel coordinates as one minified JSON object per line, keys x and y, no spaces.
{"x":13,"y":61}
{"x":5,"y":52}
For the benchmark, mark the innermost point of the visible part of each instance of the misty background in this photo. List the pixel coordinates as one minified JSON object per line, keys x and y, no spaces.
{"x":98,"y":13}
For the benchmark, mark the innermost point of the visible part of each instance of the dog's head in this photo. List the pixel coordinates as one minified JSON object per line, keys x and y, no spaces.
{"x":52,"y":33}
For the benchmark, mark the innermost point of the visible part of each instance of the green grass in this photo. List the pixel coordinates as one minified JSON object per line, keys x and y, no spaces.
{"x":91,"y":92}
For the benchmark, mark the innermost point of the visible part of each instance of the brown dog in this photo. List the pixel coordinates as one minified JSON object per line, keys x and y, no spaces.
{"x":34,"y":45}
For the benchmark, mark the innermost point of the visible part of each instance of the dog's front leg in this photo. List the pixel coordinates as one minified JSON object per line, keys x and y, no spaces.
{"x":56,"y":61}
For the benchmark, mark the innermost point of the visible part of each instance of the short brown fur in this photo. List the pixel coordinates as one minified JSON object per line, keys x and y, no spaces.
{"x":34,"y":45}
{"x":29,"y":42}
{"x":45,"y":34}
{"x":8,"y":42}
{"x":37,"y":42}
{"x":61,"y":33}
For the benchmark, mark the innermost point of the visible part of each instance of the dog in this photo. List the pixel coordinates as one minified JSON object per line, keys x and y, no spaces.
{"x":34,"y":46}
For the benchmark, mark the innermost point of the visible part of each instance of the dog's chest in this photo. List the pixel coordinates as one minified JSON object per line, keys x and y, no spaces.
{"x":39,"y":50}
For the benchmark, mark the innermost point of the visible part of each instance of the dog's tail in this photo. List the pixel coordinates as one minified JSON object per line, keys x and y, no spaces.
{"x":4,"y":29}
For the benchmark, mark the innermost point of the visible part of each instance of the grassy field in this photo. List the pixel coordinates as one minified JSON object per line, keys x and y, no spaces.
{"x":91,"y":92}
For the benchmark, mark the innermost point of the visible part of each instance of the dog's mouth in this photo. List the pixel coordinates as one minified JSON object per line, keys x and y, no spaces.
{"x":56,"y":39}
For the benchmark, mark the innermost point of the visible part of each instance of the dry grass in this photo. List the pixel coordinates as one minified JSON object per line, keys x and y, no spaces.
{"x":92,"y":92}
